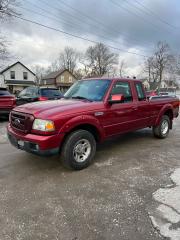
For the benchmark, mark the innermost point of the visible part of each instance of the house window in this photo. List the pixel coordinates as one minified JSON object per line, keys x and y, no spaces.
{"x":62,"y":78}
{"x":25,"y":75}
{"x":12,"y":74}
{"x":70,"y":79}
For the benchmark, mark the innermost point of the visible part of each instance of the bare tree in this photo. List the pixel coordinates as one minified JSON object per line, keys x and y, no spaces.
{"x":85,"y":69}
{"x":79,"y":73}
{"x":40,"y":71}
{"x":8,"y":8}
{"x":4,"y":52}
{"x":176,"y":65}
{"x":151,"y":70}
{"x":68,"y":59}
{"x":54,"y":66}
{"x":100,"y":59}
{"x":122,"y":68}
{"x":162,"y":58}
{"x":159,"y":63}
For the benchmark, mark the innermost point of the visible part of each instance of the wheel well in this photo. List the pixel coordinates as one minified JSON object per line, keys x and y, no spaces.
{"x":90,"y":128}
{"x":169,"y":113}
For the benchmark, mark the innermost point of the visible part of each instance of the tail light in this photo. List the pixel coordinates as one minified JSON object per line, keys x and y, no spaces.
{"x":42,"y":98}
{"x":14,"y":101}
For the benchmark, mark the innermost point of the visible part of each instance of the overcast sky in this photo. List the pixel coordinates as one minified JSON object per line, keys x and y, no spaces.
{"x":130,"y":25}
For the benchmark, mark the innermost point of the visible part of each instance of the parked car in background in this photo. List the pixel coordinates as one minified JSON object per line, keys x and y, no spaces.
{"x":7,"y":101}
{"x":151,"y":93}
{"x":34,"y":94}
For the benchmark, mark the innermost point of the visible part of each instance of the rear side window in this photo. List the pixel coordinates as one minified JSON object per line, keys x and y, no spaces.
{"x":50,"y":93}
{"x":4,"y":92}
{"x":122,"y":88}
{"x":140,"y":92}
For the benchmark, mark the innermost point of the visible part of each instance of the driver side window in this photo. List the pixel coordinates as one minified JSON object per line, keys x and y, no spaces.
{"x":124,"y":89}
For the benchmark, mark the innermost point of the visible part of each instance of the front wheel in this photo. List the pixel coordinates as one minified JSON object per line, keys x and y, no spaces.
{"x":162,"y":130}
{"x":78,"y":150}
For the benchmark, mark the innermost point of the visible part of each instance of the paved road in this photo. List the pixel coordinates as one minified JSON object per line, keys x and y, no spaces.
{"x":111,"y":199}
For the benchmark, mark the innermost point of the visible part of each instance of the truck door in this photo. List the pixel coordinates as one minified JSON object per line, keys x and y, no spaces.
{"x":120,"y":117}
{"x":144,"y":110}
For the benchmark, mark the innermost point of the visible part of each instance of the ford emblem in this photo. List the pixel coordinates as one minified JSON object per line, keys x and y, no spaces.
{"x":17,"y":121}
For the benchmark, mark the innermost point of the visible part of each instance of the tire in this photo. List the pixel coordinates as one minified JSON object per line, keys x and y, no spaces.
{"x":162,"y":130}
{"x":78,"y":150}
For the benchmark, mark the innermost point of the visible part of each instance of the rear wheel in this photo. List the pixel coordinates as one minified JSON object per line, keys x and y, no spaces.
{"x":78,"y":150}
{"x":162,"y":130}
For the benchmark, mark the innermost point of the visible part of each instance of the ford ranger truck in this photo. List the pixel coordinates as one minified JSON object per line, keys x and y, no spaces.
{"x":91,"y":111}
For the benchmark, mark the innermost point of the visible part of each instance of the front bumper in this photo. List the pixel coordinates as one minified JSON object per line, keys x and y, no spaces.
{"x":39,"y":145}
{"x":5,"y":111}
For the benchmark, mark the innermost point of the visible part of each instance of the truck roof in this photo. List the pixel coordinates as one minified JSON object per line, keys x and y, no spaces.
{"x":113,"y":78}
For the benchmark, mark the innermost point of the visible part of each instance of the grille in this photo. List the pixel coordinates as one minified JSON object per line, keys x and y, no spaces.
{"x":21,"y":121}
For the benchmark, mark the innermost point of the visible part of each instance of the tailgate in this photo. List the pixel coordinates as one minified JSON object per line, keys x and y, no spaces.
{"x":6,"y":101}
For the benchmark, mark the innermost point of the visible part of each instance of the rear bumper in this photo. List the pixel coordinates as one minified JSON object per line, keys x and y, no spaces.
{"x":39,"y":145}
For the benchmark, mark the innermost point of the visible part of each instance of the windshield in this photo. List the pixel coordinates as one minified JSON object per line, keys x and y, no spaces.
{"x":50,"y":92}
{"x":93,"y":90}
{"x":29,"y":92}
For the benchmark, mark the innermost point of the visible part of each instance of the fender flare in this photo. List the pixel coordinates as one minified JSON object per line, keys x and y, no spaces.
{"x":81,"y":120}
{"x":161,"y":113}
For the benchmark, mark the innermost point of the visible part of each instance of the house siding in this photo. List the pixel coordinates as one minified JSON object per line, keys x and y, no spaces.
{"x":2,"y":84}
{"x":18,"y":68}
{"x":66,"y":76}
{"x":63,"y":81}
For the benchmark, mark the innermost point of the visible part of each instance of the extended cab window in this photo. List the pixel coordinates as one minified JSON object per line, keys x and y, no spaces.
{"x":122,"y":88}
{"x":140,"y":92}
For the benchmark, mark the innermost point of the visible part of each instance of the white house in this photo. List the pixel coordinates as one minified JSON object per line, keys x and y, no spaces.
{"x":17,"y":77}
{"x":2,"y":84}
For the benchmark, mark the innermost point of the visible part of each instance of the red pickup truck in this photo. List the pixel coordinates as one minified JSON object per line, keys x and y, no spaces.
{"x":91,"y":111}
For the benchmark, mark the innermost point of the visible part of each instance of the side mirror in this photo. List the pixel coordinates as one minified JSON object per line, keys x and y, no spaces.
{"x":116,"y":98}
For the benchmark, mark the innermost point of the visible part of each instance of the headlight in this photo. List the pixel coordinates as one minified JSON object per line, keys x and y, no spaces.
{"x":43,"y":125}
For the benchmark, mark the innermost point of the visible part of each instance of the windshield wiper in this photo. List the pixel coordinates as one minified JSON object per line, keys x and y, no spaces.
{"x":79,"y":97}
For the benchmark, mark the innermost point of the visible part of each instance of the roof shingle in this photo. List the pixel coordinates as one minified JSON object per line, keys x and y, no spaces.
{"x":53,"y":75}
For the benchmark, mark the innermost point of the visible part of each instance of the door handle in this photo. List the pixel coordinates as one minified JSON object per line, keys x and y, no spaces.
{"x":134,"y":108}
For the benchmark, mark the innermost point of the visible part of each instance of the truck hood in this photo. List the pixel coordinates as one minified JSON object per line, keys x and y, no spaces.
{"x":51,"y":108}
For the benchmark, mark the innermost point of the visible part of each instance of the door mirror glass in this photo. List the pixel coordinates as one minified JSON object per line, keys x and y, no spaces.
{"x":116,"y":98}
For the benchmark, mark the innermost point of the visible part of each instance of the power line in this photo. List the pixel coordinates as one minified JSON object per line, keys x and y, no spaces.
{"x":144,"y":11}
{"x":74,"y":35}
{"x":133,"y":13}
{"x":156,"y":15}
{"x":72,"y":24}
{"x":43,"y":15}
{"x":57,"y":19}
{"x":92,"y":19}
